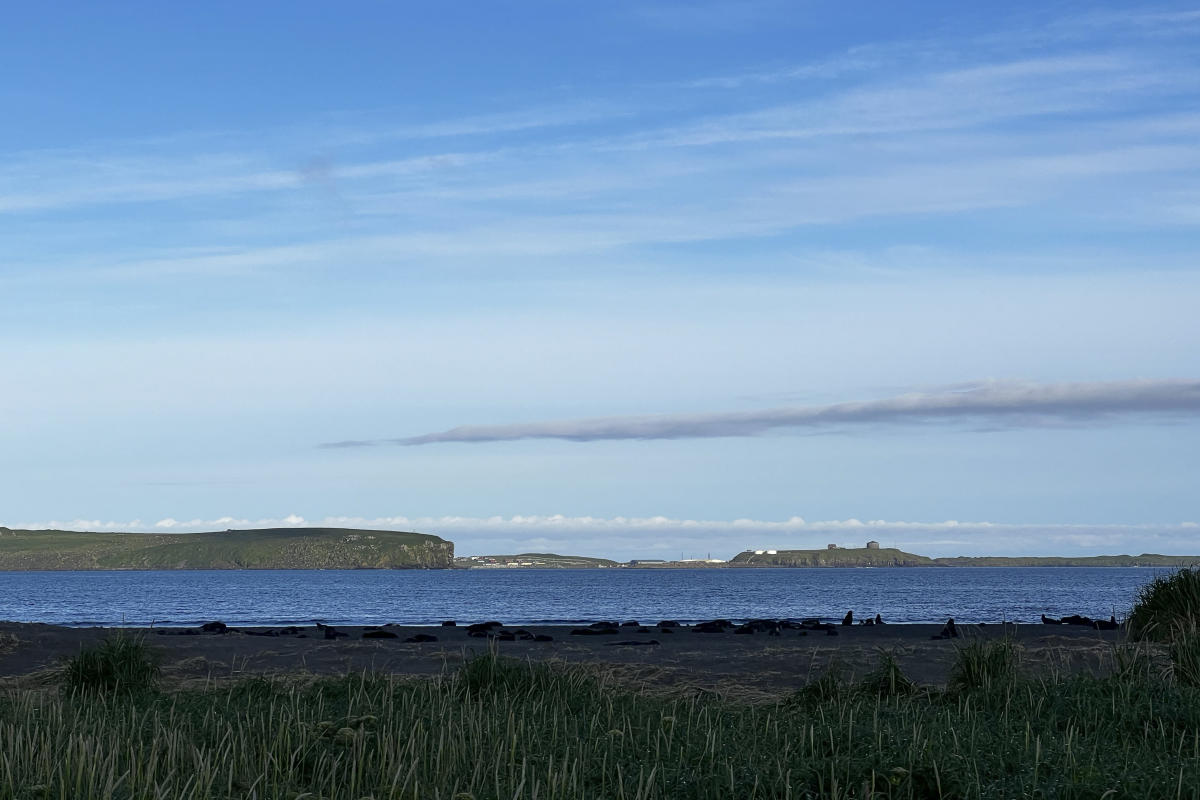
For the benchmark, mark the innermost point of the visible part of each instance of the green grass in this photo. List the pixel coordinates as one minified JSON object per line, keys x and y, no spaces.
{"x":986,"y":665}
{"x":505,"y":729}
{"x":1167,"y":607}
{"x":121,"y":664}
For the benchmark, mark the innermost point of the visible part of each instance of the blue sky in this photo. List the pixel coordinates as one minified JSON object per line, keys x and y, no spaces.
{"x":232,"y":235}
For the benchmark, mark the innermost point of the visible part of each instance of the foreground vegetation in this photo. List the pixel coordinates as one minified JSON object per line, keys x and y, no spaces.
{"x":503,"y":729}
{"x":499,"y":728}
{"x":1168,"y":607}
{"x":266,"y":548}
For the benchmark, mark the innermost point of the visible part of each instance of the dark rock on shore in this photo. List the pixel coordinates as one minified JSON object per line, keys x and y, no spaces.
{"x":379,"y":634}
{"x":421,"y":638}
{"x":214,"y":627}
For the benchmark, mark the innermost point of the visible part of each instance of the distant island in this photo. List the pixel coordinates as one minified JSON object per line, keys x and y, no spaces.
{"x":542,"y":560}
{"x":264,"y":548}
{"x":830,"y":556}
{"x":891,"y":557}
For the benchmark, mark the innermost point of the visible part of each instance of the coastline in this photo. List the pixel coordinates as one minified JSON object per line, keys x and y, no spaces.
{"x":751,"y":665}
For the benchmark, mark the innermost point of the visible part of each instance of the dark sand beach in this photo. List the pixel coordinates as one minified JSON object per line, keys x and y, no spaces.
{"x":755,"y":665}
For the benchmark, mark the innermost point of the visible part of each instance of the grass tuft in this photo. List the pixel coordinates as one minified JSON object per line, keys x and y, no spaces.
{"x":887,"y":679}
{"x":983,"y":665}
{"x":830,"y":687}
{"x":1185,"y":657}
{"x":1167,"y":606}
{"x":121,"y":664}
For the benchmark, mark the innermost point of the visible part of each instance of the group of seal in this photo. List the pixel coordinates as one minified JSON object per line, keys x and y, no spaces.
{"x":1109,"y":624}
{"x":496,"y":631}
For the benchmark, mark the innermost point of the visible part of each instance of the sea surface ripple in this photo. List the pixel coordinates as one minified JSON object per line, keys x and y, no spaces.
{"x":563,"y":596}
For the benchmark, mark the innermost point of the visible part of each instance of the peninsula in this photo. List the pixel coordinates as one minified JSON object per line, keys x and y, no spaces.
{"x":831,"y":556}
{"x":264,"y":548}
{"x":891,"y":557}
{"x":538,"y":560}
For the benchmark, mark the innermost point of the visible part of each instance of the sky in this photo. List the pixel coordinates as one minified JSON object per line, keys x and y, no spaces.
{"x":621,"y":279}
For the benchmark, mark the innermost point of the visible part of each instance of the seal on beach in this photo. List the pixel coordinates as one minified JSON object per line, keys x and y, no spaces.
{"x":331,"y":632}
{"x":849,"y":618}
{"x":214,"y":627}
{"x":949,"y":631}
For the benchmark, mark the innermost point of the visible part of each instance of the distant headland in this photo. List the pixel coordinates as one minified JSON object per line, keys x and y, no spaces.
{"x":891,"y":557}
{"x":264,"y":548}
{"x":347,"y":548}
{"x":830,"y":556}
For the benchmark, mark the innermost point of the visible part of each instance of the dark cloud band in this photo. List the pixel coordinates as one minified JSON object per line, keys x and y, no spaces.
{"x":993,"y":404}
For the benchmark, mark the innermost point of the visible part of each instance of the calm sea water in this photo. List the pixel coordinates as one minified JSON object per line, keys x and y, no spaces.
{"x":527,"y":596}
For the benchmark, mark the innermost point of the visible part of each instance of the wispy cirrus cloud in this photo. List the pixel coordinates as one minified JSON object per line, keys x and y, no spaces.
{"x":994,"y":403}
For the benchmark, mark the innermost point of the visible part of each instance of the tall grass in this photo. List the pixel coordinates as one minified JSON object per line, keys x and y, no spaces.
{"x":505,"y":729}
{"x":1167,"y":606}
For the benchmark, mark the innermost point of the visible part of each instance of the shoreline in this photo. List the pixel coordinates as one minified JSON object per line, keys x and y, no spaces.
{"x":750,"y":665}
{"x":1185,"y":562}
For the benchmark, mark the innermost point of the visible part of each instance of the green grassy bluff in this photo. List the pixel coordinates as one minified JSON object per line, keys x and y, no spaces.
{"x":265,"y":548}
{"x":891,"y":557}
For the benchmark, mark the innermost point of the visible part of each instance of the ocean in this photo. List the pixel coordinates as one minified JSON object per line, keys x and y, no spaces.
{"x":563,"y":596}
